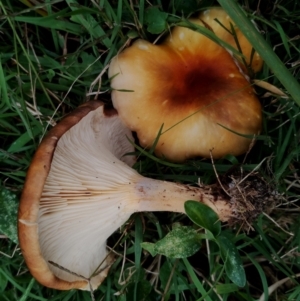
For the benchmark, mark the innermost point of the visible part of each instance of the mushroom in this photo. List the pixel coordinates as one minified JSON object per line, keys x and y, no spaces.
{"x":59,"y":209}
{"x":213,"y":18}
{"x":80,"y":189}
{"x":192,"y":87}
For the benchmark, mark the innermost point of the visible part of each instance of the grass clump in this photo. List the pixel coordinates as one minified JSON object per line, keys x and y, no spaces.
{"x":54,"y":55}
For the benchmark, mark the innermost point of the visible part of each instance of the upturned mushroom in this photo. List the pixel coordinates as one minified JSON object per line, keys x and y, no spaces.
{"x":192,"y":87}
{"x":80,"y":188}
{"x":60,"y":218}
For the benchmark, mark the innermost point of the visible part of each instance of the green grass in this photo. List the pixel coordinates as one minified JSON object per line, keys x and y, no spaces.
{"x":48,"y":65}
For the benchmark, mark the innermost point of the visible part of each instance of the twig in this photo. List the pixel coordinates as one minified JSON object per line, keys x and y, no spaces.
{"x":213,"y":165}
{"x":275,"y":285}
{"x":270,"y":218}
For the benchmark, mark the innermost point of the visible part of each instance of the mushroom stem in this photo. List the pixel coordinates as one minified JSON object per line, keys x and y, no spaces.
{"x":156,"y":195}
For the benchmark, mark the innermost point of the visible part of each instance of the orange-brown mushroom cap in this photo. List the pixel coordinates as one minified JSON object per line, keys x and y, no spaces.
{"x":36,"y":206}
{"x":221,"y":25}
{"x":192,"y":87}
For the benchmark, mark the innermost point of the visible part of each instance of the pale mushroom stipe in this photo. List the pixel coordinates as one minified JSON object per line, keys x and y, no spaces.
{"x":80,"y":189}
{"x":193,"y":87}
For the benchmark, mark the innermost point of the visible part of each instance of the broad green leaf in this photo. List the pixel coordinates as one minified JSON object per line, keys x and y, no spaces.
{"x":156,"y":20}
{"x":232,"y":261}
{"x":150,"y":247}
{"x":181,"y":242}
{"x":8,"y":214}
{"x":132,"y":34}
{"x":203,"y":216}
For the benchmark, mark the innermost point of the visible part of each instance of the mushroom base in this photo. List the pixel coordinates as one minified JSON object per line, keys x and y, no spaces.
{"x":249,"y":195}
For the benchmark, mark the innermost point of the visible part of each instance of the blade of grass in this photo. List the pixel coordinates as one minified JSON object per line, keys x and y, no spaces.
{"x":196,"y":281}
{"x":51,"y":22}
{"x":89,"y":23}
{"x":38,"y":7}
{"x":28,"y":289}
{"x":3,"y":89}
{"x":119,"y":12}
{"x":138,"y":251}
{"x":18,"y":287}
{"x":23,"y":139}
{"x":55,"y":34}
{"x":141,"y":12}
{"x":285,"y":135}
{"x":267,"y":249}
{"x":261,"y":274}
{"x":283,"y":37}
{"x":109,"y":13}
{"x":210,"y":34}
{"x":263,"y":48}
{"x":19,"y":41}
{"x":108,"y":289}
